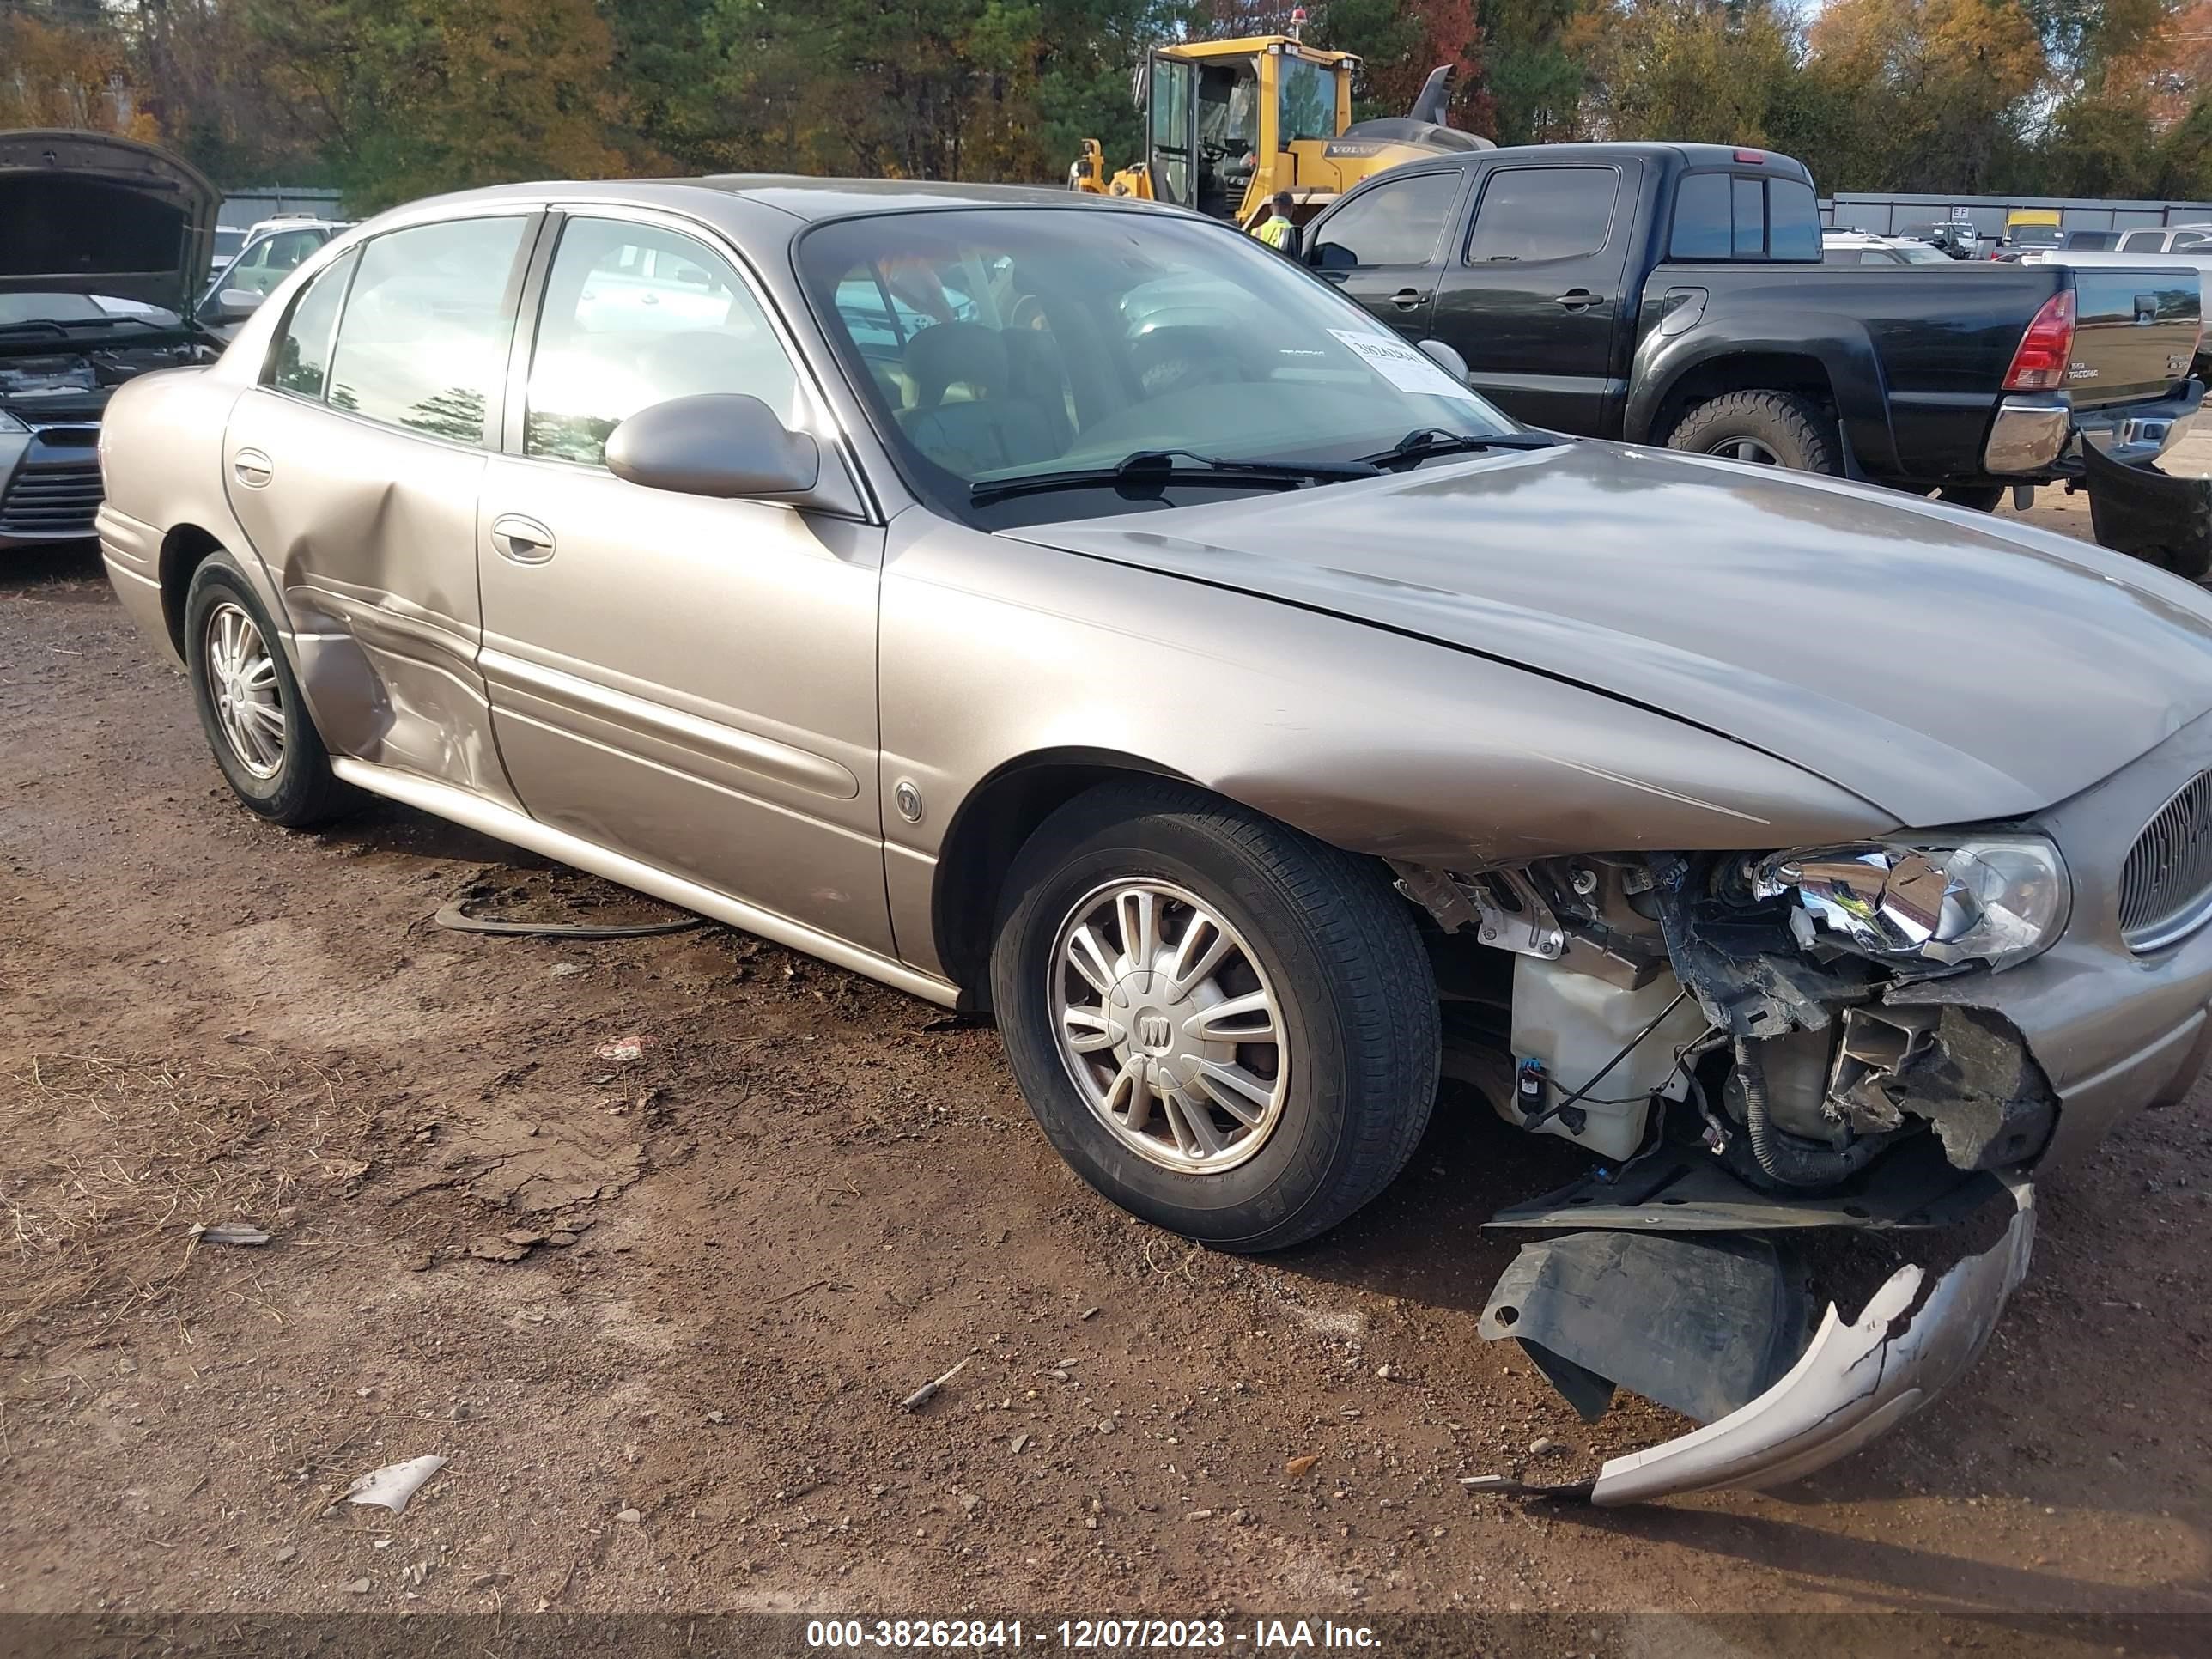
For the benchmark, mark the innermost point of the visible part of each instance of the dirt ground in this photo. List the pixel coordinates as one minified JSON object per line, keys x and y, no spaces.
{"x":806,"y":1195}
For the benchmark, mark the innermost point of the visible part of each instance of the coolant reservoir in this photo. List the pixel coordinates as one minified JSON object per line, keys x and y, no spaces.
{"x":1572,"y":1022}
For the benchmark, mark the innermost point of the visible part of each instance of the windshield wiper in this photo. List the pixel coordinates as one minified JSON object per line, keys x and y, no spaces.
{"x":1158,"y":466}
{"x":1425,"y":442}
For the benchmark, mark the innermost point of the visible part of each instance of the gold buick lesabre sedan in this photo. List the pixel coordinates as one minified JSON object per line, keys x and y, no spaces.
{"x":1071,"y":610}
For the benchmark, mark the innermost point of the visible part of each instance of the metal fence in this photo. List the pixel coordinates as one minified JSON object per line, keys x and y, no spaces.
{"x":245,"y":207}
{"x":1885,"y":214}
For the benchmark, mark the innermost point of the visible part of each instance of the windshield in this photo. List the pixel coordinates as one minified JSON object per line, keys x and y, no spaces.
{"x":1919,"y":253}
{"x":49,"y":308}
{"x":1307,"y":107}
{"x":2035,"y":235}
{"x":996,"y":344}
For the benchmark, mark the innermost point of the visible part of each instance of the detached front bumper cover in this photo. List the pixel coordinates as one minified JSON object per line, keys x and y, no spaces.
{"x":2149,"y":515}
{"x":1853,"y":1384}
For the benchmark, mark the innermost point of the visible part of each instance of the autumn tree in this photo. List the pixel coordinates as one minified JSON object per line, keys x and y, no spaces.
{"x":52,"y":74}
{"x":1936,"y":94}
{"x":1699,"y":70}
{"x":410,"y":98}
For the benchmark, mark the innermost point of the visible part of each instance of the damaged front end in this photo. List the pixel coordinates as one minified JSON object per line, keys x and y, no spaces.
{"x":1723,"y":1032}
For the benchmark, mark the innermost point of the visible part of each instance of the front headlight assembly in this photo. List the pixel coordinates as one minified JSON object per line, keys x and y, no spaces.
{"x":1997,"y":899}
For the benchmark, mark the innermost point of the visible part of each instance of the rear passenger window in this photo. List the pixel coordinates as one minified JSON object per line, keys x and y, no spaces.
{"x":1719,"y":216}
{"x":1398,"y":223}
{"x":1750,"y":218}
{"x":423,"y":341}
{"x":1702,"y":218}
{"x":1792,"y":221}
{"x":634,"y":316}
{"x":2189,"y":238}
{"x":1543,"y":213}
{"x":301,"y":361}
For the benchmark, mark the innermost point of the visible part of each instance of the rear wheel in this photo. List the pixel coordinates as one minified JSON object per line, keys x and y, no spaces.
{"x":1768,"y":429}
{"x":249,"y":705}
{"x":1224,"y":1026}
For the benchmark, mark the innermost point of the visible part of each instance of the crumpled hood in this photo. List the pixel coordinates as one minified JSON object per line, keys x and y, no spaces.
{"x":90,"y":213}
{"x":1943,"y":666}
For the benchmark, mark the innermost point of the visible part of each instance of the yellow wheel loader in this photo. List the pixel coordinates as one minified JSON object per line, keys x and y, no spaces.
{"x":1230,"y":123}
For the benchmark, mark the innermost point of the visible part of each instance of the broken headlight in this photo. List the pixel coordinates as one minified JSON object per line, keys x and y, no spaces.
{"x":1995,"y":899}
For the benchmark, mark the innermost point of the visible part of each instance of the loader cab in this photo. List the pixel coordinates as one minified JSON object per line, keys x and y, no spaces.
{"x":1225,"y":120}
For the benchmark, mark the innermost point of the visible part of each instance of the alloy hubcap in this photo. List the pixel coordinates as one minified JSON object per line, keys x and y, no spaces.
{"x":1746,"y":449}
{"x":1169,"y":1026}
{"x":241,"y":678}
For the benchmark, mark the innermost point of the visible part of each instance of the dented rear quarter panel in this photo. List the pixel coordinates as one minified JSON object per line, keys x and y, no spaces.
{"x":160,"y":462}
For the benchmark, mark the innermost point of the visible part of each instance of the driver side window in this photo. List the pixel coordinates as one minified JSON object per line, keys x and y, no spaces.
{"x":1397,"y":223}
{"x":635,"y":315}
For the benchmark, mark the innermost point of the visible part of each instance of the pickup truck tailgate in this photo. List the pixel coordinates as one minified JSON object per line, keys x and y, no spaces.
{"x":2135,"y":332}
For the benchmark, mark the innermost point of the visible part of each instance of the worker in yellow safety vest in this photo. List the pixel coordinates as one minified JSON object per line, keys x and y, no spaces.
{"x":1278,"y":233}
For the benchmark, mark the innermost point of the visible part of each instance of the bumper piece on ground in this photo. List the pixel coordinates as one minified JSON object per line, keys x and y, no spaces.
{"x":1703,"y":1325}
{"x":1853,"y":1382}
{"x":2149,"y":515}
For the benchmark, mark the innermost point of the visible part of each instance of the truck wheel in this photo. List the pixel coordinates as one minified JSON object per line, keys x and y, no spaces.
{"x":1770,"y":428}
{"x":1224,"y":1026}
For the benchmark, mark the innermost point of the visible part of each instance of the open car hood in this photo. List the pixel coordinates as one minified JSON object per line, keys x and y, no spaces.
{"x":90,"y":213}
{"x":1944,"y":666}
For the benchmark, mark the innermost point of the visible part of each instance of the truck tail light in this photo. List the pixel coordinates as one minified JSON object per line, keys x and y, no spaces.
{"x":1751,"y":156}
{"x":2039,"y":364}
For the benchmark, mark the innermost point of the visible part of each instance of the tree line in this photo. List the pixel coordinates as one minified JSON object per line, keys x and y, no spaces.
{"x":394,"y":99}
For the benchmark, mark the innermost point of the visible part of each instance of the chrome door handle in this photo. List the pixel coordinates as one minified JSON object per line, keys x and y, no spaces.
{"x":251,"y":468}
{"x":523,"y":540}
{"x":1406,"y":299}
{"x":1576,"y":299}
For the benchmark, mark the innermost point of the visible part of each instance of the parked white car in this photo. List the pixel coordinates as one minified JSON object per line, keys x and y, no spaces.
{"x":1859,"y":248}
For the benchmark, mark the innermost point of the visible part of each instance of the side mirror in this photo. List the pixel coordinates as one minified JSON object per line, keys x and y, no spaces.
{"x":236,"y":304}
{"x":721,"y":444}
{"x":1447,"y":359}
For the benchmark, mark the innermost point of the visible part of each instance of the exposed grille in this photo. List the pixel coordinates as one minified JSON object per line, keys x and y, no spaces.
{"x":51,"y":500}
{"x":2166,"y":886}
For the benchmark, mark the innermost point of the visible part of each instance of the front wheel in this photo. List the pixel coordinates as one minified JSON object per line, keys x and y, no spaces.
{"x":1224,"y":1026}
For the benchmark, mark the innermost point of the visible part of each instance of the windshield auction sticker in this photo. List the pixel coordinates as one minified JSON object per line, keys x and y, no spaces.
{"x":1405,"y":366}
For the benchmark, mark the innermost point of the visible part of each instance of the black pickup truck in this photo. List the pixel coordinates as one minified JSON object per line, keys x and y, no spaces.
{"x":1674,"y":294}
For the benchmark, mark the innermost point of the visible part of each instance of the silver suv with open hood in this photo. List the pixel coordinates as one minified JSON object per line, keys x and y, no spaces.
{"x":108,"y":241}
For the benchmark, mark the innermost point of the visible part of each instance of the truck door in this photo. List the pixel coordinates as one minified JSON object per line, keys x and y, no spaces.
{"x":1385,"y":244}
{"x":1532,"y":299}
{"x":1173,"y":145}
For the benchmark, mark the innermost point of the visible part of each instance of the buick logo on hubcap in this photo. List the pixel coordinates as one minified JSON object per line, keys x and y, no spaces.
{"x":1154,"y":1034}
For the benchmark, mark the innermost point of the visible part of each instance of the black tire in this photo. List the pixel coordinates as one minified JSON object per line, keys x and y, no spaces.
{"x":302,"y":789}
{"x":1339,"y":947}
{"x":1975,"y":498}
{"x":1797,"y":433}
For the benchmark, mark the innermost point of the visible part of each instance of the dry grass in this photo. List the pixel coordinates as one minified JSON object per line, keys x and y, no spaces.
{"x":103,"y":1207}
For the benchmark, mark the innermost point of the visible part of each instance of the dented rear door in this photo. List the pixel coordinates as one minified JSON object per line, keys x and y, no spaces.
{"x":356,"y":467}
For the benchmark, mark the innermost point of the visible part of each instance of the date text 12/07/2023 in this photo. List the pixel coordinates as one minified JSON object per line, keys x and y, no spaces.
{"x":1082,"y":1635}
